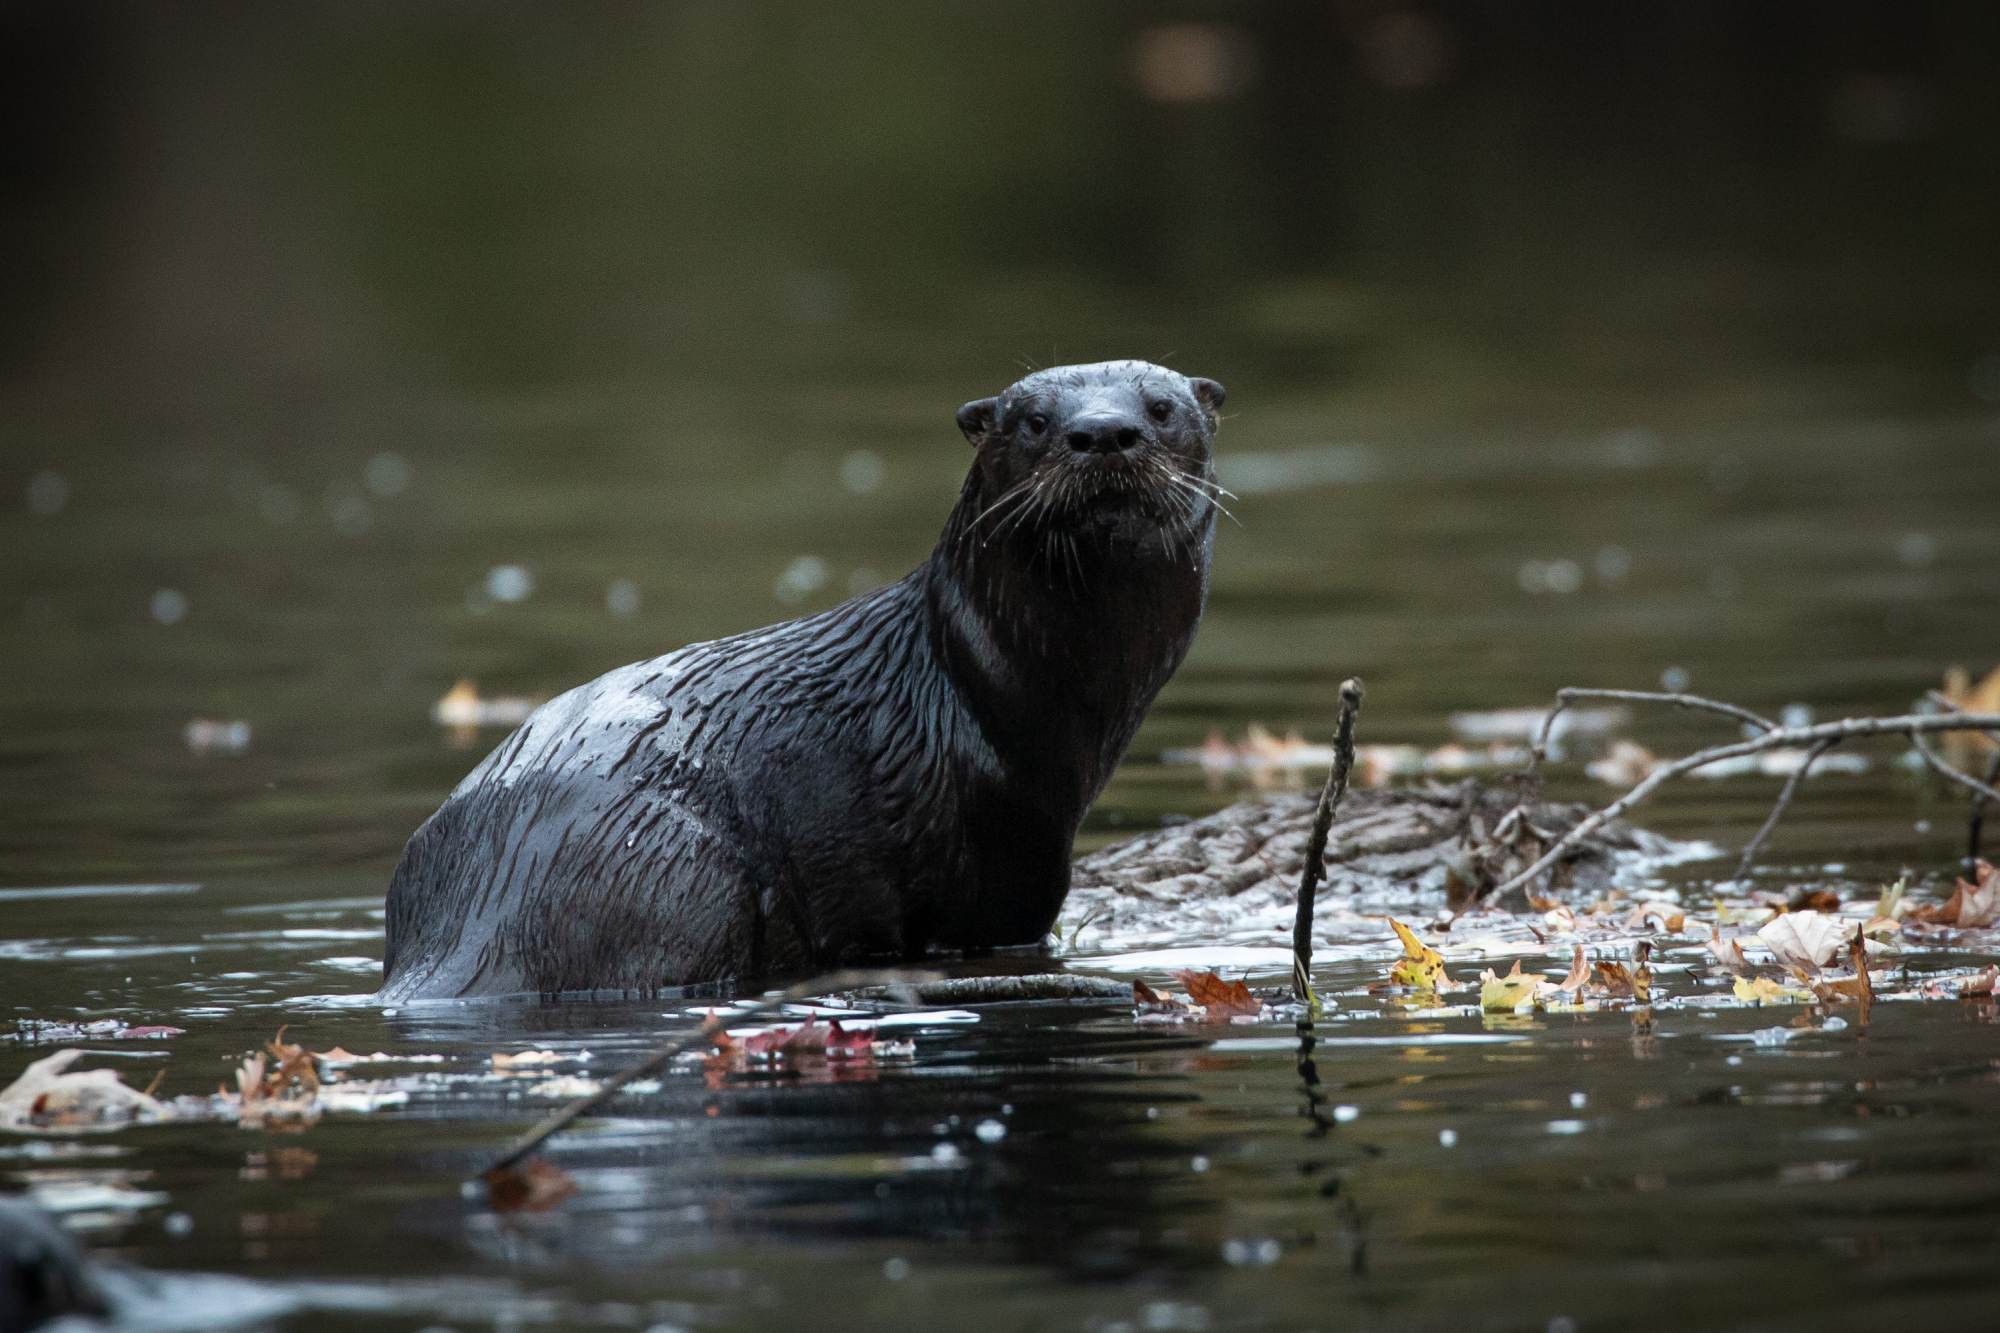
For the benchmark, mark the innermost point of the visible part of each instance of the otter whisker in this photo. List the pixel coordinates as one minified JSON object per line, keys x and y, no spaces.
{"x":1179,"y":480}
{"x":1208,"y":484}
{"x":1013,"y":493}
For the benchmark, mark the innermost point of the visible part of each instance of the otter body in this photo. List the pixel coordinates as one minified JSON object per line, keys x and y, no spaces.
{"x":901,"y":773}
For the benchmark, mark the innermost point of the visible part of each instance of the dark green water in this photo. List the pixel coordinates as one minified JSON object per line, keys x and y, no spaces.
{"x":334,"y":319}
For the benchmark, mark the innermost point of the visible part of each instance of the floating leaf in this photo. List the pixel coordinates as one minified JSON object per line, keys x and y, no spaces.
{"x":1806,"y":940}
{"x":1620,"y":982}
{"x":1859,"y":988}
{"x":1507,"y":993}
{"x":1763,"y":990}
{"x":1971,"y":904}
{"x":48,"y":1097}
{"x":1421,"y":967}
{"x":1729,"y":952}
{"x":1145,"y":999}
{"x":1579,"y":973}
{"x":1222,"y":999}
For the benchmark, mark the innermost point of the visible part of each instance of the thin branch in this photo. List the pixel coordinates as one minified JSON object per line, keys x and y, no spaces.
{"x":1844,"y":729}
{"x":1315,"y":867}
{"x":1938,"y":766}
{"x":1977,"y":822}
{"x":1784,"y":802}
{"x":665,"y":1055}
{"x":1569,"y":694}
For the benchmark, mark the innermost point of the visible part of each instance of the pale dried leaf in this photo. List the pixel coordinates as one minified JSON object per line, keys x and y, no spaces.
{"x":1805,"y":940}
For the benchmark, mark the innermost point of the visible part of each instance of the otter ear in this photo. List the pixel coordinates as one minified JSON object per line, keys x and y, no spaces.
{"x":976,"y":418}
{"x":1210,"y":395}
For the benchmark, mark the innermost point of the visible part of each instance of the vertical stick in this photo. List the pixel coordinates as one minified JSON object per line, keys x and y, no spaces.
{"x":1315,"y":867}
{"x":1978,"y":820}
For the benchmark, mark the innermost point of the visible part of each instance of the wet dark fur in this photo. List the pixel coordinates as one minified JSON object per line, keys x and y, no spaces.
{"x":901,"y":773}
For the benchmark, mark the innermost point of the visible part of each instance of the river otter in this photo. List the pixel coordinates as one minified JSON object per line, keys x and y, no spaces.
{"x":903,"y":772}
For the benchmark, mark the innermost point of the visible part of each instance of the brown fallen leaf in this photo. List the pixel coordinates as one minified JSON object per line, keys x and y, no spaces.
{"x":1971,"y":905}
{"x":1858,"y":988}
{"x":1814,"y":900}
{"x":1149,"y":1001}
{"x":1981,"y":984}
{"x":1618,"y":981}
{"x":811,"y":1037}
{"x":279,"y":1082}
{"x":1729,"y":953}
{"x":1579,"y":973}
{"x":1222,"y":999}
{"x":535,"y":1186}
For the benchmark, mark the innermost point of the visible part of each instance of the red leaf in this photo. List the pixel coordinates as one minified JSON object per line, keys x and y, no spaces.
{"x":1222,"y":999}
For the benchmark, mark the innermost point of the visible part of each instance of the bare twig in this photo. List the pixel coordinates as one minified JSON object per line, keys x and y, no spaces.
{"x":1976,"y":823}
{"x":1569,"y":694}
{"x":1976,"y":820}
{"x":1315,"y":867}
{"x":665,"y":1055}
{"x":1845,"y":729}
{"x":1984,"y":791}
{"x":1784,"y":802}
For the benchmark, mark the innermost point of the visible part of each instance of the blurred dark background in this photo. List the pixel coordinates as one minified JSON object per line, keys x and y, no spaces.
{"x":356,"y":348}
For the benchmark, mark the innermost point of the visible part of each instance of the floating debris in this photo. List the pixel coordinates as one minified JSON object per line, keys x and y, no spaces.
{"x":49,"y":1098}
{"x":47,"y":1031}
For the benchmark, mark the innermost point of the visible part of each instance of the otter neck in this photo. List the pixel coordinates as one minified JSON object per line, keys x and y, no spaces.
{"x":1058,"y":649}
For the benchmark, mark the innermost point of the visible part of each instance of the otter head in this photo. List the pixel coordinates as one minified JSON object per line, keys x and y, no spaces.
{"x":1119,"y":447}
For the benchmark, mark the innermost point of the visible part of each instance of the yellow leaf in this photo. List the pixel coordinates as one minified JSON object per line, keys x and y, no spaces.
{"x":1763,"y":990}
{"x":1509,"y":992}
{"x":1421,"y":967}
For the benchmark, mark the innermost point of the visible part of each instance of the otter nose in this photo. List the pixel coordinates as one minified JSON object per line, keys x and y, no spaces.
{"x":1102,"y":433}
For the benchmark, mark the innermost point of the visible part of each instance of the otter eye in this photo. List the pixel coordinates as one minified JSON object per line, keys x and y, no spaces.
{"x":1159,"y":409}
{"x":1037,"y":423}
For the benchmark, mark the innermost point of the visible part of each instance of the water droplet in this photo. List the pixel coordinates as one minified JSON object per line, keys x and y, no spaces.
{"x":895,"y":1269}
{"x":1447,"y":1138}
{"x":990,"y":1131}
